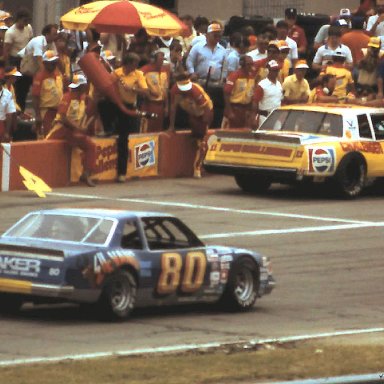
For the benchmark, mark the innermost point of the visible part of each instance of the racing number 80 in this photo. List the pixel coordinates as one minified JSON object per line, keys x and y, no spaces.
{"x":170,"y":276}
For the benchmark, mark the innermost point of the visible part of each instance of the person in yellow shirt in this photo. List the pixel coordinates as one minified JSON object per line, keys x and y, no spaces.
{"x":157,"y":77}
{"x":47,"y":92}
{"x":344,"y":80}
{"x":283,"y":60}
{"x":295,"y":87}
{"x":130,"y":83}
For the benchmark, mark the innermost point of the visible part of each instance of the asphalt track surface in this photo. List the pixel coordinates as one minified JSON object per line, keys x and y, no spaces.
{"x":327,"y":257}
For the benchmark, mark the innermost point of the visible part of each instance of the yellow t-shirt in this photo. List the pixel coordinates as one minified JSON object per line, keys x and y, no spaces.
{"x":134,"y":79}
{"x":295,"y":89}
{"x":343,"y":79}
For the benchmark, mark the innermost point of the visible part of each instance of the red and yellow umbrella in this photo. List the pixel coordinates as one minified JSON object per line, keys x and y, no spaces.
{"x":123,"y":16}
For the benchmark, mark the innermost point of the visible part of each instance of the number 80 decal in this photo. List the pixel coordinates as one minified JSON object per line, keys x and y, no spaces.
{"x":170,"y":276}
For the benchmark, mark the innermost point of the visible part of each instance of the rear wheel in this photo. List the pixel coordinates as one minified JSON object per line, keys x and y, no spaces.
{"x":253,"y":184}
{"x":118,"y":297}
{"x":350,"y":176}
{"x":10,"y":303}
{"x":243,"y":284}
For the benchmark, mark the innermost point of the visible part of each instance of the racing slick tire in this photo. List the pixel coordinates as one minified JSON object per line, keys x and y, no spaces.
{"x":252,"y":184}
{"x":118,"y":297}
{"x":10,"y":304}
{"x":350,"y":176}
{"x":240,"y":293}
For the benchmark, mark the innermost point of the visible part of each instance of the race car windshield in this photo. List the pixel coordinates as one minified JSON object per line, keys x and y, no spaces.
{"x":304,"y":121}
{"x":78,"y":229}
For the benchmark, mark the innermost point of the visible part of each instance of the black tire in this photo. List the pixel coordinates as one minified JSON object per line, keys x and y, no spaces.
{"x":240,"y":294}
{"x":118,"y":297}
{"x":349,"y":179}
{"x":253,"y":184}
{"x":10,"y":304}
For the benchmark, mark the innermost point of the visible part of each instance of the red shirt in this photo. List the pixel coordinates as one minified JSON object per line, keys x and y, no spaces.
{"x":297,"y":33}
{"x":356,"y":40}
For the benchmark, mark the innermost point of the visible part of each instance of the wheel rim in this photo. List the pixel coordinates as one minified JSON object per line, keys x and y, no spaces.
{"x":120,"y":295}
{"x":244,"y":285}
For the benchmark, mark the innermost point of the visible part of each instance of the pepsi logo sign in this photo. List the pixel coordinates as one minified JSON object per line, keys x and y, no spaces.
{"x":145,"y":154}
{"x":321,"y":160}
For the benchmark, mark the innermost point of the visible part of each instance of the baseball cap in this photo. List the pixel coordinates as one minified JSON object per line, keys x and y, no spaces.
{"x":274,"y":43}
{"x":345,"y":12}
{"x":342,"y":23}
{"x":339,"y":54}
{"x":184,"y":85}
{"x":78,"y":79}
{"x":12,"y":72}
{"x":214,"y":27}
{"x":374,"y":42}
{"x":290,"y":13}
{"x":50,"y":56}
{"x":273,"y":64}
{"x":301,"y":64}
{"x":282,"y":44}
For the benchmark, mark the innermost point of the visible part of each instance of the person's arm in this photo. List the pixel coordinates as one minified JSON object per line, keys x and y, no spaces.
{"x":302,"y":44}
{"x":372,"y":26}
{"x":317,"y":62}
{"x":227,"y":90}
{"x":320,"y":37}
{"x":190,"y":63}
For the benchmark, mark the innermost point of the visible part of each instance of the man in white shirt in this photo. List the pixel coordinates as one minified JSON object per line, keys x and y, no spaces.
{"x":375,"y":24}
{"x":7,"y":110}
{"x":282,"y":28}
{"x":262,"y":44}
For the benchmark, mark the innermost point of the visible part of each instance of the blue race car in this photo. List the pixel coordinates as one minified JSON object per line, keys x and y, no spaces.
{"x":120,"y":260}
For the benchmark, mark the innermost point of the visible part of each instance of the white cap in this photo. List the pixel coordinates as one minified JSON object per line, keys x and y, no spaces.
{"x":184,"y":85}
{"x":273,"y":64}
{"x":78,"y":80}
{"x":345,"y":12}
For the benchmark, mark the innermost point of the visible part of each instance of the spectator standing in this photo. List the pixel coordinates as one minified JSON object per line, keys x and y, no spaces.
{"x":7,"y":111}
{"x":47,"y":92}
{"x":32,"y":59}
{"x":239,"y":46}
{"x":186,"y":40}
{"x":295,"y":87}
{"x":157,"y":76}
{"x":238,"y":91}
{"x":375,"y":23}
{"x":130,"y":83}
{"x":175,"y":62}
{"x":195,"y":101}
{"x":325,"y":53}
{"x":369,"y":78}
{"x":268,"y":94}
{"x":261,"y":47}
{"x":283,"y":60}
{"x":295,"y":32}
{"x":201,"y":27}
{"x":282,"y":29}
{"x":205,"y":61}
{"x":71,"y":125}
{"x":11,"y":75}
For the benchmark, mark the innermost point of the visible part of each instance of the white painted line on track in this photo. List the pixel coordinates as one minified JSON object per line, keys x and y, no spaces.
{"x":289,"y":230}
{"x":209,"y":208}
{"x":184,"y":347}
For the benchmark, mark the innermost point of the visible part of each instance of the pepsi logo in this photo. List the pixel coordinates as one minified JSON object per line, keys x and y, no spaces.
{"x":321,"y":160}
{"x":145,"y":154}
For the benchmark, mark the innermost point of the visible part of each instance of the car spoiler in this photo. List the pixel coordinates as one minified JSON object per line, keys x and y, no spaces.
{"x":280,"y":138}
{"x":25,"y":250}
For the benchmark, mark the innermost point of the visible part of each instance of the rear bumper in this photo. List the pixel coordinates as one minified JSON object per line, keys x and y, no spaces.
{"x":275,"y":174}
{"x":65,"y":292}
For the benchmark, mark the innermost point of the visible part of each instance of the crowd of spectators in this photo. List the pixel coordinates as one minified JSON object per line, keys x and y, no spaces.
{"x":181,"y":81}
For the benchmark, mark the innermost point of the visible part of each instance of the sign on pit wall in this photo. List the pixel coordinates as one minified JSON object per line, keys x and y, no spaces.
{"x":143,"y":158}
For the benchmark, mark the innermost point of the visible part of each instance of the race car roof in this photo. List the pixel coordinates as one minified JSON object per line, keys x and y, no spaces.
{"x":103,"y":212}
{"x":340,"y":109}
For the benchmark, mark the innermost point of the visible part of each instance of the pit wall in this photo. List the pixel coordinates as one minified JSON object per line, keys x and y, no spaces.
{"x":150,"y":155}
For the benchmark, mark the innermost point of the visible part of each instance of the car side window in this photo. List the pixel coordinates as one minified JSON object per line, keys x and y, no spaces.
{"x":364,"y":128}
{"x":131,"y":238}
{"x":378,"y":126}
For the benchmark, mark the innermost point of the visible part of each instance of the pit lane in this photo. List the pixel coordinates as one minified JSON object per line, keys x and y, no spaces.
{"x":326,"y":254}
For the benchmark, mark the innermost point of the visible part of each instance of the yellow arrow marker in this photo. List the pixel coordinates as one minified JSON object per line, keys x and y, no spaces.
{"x":34,"y":183}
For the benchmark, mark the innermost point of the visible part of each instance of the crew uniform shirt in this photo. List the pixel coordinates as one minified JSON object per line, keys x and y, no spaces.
{"x":135,"y":79}
{"x":17,"y":38}
{"x":7,"y":104}
{"x":268,"y":95}
{"x":240,"y":86}
{"x":48,"y":86}
{"x":325,"y":54}
{"x":157,"y":81}
{"x":295,"y":89}
{"x":201,"y":58}
{"x":343,"y":79}
{"x":193,"y":101}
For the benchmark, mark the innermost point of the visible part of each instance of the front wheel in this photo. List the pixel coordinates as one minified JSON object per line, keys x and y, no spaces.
{"x":118,"y":296}
{"x":253,"y":184}
{"x":350,"y":176}
{"x":243,"y":284}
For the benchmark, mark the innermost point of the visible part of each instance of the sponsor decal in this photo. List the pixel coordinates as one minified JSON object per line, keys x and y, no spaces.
{"x":214,"y":279}
{"x":106,"y":155}
{"x":362,"y":146}
{"x":145,"y":154}
{"x":321,"y":160}
{"x":15,"y":266}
